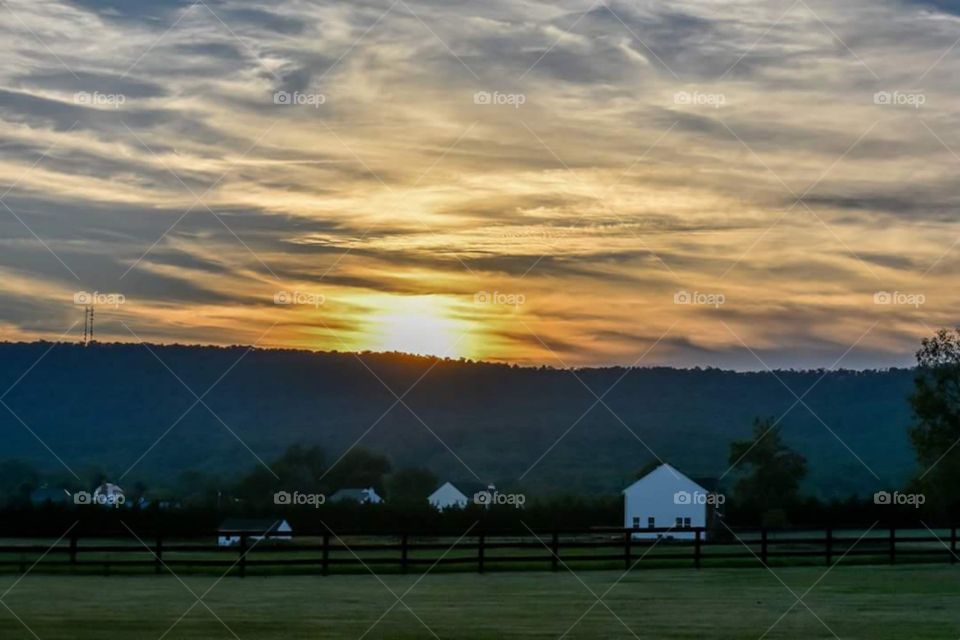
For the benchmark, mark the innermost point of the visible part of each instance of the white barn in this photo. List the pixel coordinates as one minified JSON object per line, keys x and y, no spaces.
{"x":229,"y":533}
{"x":448,"y":496}
{"x":665,"y":498}
{"x":461,"y":495}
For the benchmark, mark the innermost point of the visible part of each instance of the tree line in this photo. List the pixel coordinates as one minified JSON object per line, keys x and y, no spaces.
{"x":764,"y":485}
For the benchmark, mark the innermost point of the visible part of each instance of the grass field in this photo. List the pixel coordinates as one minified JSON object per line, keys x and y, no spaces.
{"x":865,"y":602}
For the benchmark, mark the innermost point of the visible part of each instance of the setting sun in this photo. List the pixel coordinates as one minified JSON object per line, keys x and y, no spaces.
{"x":422,"y":325}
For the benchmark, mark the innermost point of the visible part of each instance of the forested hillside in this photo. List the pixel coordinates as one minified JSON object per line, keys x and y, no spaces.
{"x":106,"y":405}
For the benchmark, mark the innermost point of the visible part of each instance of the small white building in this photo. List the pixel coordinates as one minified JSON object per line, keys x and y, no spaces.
{"x":229,"y":533}
{"x":448,"y":496}
{"x":462,"y":495}
{"x":362,"y":496}
{"x":665,"y":498}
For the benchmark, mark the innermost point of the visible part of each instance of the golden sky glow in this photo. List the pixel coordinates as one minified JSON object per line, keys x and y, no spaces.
{"x":722,"y":183}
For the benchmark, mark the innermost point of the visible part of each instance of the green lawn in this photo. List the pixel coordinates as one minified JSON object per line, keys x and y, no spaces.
{"x":853,"y":601}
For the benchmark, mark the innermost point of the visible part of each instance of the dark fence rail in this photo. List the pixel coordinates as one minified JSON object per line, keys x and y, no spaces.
{"x":324,"y":551}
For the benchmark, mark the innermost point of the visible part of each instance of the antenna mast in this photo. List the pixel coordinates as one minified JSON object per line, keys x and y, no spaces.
{"x":87,"y":325}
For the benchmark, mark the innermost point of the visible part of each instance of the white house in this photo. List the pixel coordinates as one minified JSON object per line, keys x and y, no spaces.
{"x":462,"y":495}
{"x":362,"y":496}
{"x":665,"y":498}
{"x":448,"y":496}
{"x":228,"y":535}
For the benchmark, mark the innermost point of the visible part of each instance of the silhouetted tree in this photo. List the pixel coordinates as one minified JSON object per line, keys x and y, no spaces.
{"x":771,"y":473}
{"x":17,"y":480}
{"x":300,"y":468}
{"x":936,"y":430}
{"x":411,"y":486}
{"x":359,"y":468}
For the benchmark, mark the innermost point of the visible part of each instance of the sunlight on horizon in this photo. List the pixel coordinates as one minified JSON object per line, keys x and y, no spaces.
{"x":420,"y":325}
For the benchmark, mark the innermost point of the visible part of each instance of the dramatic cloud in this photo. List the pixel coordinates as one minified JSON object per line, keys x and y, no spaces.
{"x":727,"y":183}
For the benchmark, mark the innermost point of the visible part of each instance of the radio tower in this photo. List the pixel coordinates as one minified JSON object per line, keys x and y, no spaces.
{"x":87,"y":325}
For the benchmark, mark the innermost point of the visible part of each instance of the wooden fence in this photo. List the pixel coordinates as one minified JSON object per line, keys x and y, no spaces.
{"x":327,"y":552}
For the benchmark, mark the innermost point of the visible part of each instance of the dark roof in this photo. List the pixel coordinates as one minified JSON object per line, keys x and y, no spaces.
{"x":250,"y":525}
{"x":356,"y":495}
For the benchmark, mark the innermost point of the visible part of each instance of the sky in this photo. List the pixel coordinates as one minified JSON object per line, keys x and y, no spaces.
{"x":725,"y":183}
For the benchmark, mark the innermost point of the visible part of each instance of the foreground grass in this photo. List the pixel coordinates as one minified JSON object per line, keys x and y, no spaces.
{"x":850,"y":601}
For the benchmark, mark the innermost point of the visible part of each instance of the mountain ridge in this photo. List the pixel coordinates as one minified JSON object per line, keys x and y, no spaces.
{"x":109,"y":404}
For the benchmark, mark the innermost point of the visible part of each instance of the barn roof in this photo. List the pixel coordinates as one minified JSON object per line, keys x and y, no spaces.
{"x":674,"y":472}
{"x":355,"y":495}
{"x":251,"y":525}
{"x":468,"y":487}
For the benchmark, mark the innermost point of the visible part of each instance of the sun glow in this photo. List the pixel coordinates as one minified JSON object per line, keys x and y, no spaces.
{"x":422,"y":325}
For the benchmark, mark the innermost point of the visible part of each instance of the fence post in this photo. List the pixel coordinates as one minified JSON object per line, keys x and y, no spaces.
{"x":403,"y":553}
{"x":480,"y":543}
{"x":325,"y":563}
{"x":893,"y":545}
{"x":158,"y":554}
{"x":953,"y":545}
{"x":829,"y":546}
{"x":243,"y":555}
{"x":555,"y":556}
{"x":763,"y":546}
{"x":627,"y":541}
{"x":696,"y":549}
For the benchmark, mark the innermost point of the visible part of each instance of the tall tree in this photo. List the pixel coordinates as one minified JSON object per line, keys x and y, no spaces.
{"x":411,"y":486}
{"x":936,"y":430}
{"x":358,"y":469}
{"x":301,"y":468}
{"x":770,"y":473}
{"x":17,"y":480}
